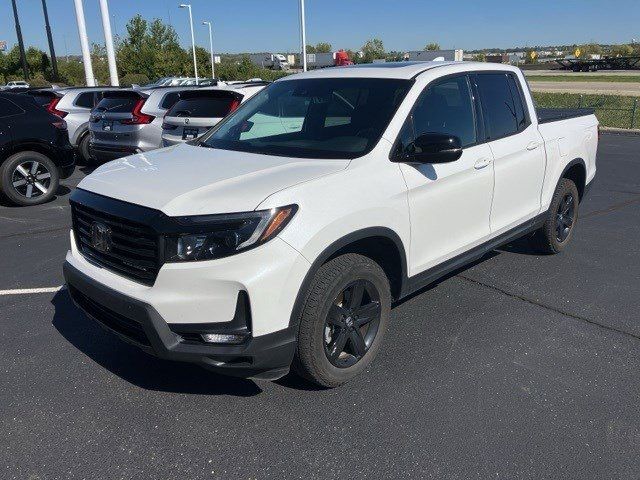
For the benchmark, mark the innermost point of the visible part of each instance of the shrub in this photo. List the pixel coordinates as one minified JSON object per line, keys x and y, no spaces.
{"x":133,"y":79}
{"x":39,"y":82}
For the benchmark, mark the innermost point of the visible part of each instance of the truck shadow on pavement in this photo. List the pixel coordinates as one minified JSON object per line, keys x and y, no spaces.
{"x":135,"y":366}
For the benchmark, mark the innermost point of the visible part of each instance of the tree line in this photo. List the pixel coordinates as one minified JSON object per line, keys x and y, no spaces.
{"x":150,"y":50}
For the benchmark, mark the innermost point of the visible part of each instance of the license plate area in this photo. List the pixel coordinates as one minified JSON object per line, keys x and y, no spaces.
{"x":190,"y":133}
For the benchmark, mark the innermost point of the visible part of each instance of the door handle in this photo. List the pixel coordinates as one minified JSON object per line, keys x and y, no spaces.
{"x":533,"y":146}
{"x":481,"y":163}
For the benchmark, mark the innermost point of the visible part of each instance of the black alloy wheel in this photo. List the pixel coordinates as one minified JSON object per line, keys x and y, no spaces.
{"x":565,"y":217}
{"x":31,"y":179}
{"x":342,"y":320}
{"x":560,"y":220}
{"x":352,"y":324}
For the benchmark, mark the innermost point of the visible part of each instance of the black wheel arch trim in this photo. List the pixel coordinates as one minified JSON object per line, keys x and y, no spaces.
{"x":567,"y":167}
{"x":335,"y":247}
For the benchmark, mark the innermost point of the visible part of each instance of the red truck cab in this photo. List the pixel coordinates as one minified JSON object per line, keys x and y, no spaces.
{"x":342,"y":59}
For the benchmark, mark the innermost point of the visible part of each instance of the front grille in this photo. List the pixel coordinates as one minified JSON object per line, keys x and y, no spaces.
{"x":133,"y":251}
{"x":118,"y":323}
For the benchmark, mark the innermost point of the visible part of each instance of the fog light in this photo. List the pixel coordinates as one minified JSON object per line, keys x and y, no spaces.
{"x":222,"y":338}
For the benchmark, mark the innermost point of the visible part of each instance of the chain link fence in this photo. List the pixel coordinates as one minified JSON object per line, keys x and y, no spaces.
{"x":612,"y":110}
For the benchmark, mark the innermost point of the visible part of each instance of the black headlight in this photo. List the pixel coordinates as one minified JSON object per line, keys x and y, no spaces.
{"x":217,"y":236}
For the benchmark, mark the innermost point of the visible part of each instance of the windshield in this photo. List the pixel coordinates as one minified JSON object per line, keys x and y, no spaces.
{"x":312,"y":118}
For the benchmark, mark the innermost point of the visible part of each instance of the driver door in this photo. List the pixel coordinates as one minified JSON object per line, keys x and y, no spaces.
{"x":449,"y":203}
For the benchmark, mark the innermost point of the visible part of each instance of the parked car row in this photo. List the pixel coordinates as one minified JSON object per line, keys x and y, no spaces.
{"x":51,"y":126}
{"x":139,"y":120}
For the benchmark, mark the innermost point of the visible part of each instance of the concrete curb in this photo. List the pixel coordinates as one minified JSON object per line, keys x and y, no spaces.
{"x":620,"y":131}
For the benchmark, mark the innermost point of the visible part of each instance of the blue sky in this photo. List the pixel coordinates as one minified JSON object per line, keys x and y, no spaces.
{"x":259,"y":25}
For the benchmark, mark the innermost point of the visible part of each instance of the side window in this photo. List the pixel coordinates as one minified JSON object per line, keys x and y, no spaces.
{"x":86,"y":100}
{"x":404,"y":143}
{"x":169,"y":100}
{"x":446,"y":107}
{"x":8,"y":108}
{"x":521,"y":114}
{"x":498,"y":106}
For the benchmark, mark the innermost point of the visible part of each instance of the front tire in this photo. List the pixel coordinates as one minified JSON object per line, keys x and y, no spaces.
{"x":29,"y":178}
{"x":343,"y":321}
{"x":562,"y":216}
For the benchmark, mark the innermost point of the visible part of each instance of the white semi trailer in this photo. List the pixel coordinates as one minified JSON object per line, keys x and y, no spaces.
{"x":431,"y":55}
{"x":273,"y":61}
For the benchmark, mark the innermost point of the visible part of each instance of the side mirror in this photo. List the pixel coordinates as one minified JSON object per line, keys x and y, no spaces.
{"x":433,"y":148}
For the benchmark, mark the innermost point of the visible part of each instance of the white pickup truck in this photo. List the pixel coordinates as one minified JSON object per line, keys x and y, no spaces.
{"x":281,"y":237}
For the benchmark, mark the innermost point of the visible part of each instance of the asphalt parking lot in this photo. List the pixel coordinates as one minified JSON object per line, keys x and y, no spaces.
{"x":520,"y":366}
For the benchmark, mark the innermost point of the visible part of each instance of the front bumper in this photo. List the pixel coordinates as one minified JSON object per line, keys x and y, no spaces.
{"x":267,"y":356}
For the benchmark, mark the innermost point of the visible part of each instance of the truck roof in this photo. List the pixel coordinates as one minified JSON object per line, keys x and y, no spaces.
{"x":399,"y":70}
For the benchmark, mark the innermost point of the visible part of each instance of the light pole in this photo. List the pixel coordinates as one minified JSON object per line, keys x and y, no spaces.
{"x":211,"y":48}
{"x":84,"y":44}
{"x":303,"y":34}
{"x":52,"y":51}
{"x":23,"y":57}
{"x":193,"y":40}
{"x":108,"y":41}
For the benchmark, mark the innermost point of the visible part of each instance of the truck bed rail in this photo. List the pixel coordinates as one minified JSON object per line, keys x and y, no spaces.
{"x":548,"y":115}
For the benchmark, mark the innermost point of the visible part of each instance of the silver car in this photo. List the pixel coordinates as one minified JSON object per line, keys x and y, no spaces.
{"x":74,"y":105}
{"x":198,"y":110}
{"x":129,"y":121}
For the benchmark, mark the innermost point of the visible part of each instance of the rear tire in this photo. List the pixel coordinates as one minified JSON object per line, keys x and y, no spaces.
{"x":562,"y":217}
{"x":28,"y":178}
{"x":83,"y":150}
{"x":343,"y":321}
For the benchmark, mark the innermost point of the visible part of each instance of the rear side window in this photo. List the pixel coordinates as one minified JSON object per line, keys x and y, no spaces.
{"x":86,"y":100}
{"x":498,"y":107}
{"x":8,"y":108}
{"x":43,"y":99}
{"x":169,"y":100}
{"x":446,"y":107}
{"x":203,"y":107}
{"x":516,"y":93}
{"x":117,"y":104}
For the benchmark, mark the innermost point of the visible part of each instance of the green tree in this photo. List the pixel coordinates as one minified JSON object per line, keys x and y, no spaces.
{"x":432,"y":46}
{"x":71,"y":72}
{"x":621,"y":50}
{"x":204,"y":62}
{"x":589,"y":49}
{"x":152,"y":49}
{"x":100,"y":64}
{"x":373,"y":49}
{"x":323,"y":47}
{"x":311,"y":49}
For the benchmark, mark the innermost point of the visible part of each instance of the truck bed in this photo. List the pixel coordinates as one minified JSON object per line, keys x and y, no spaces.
{"x":548,"y":115}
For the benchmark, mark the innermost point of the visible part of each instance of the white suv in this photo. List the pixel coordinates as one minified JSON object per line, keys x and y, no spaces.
{"x":282,"y":236}
{"x":197,"y":110}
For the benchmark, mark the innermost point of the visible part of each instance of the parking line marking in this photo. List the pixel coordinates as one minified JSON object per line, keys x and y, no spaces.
{"x":28,"y":291}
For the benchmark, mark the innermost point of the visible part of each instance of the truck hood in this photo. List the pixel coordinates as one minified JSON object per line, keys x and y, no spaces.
{"x":189,"y":180}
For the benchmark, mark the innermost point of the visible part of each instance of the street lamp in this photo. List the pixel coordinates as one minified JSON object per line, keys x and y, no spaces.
{"x":213,"y":76}
{"x":303,"y":35}
{"x":193,"y":40}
